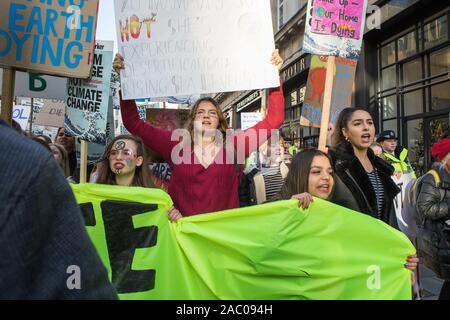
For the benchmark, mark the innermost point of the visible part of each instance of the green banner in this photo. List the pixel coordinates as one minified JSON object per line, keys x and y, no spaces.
{"x":270,"y":251}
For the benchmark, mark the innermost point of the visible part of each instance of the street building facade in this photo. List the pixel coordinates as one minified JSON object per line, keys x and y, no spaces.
{"x":402,"y":77}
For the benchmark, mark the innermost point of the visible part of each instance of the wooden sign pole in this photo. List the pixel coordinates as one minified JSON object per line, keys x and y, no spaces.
{"x":326,"y":108}
{"x":83,"y":161}
{"x":31,"y":116}
{"x":9,"y":78}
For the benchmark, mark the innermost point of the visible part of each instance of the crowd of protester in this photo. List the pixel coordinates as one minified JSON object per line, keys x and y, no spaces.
{"x":356,"y":172}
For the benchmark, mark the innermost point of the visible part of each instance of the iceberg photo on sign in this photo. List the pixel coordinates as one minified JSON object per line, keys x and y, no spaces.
{"x":87,"y":100}
{"x":335,"y":28}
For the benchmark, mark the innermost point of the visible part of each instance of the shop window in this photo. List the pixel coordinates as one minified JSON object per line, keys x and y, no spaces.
{"x":390,"y":125}
{"x":412,"y":71}
{"x":294,"y":97}
{"x":388,"y":78}
{"x":440,"y":61}
{"x":413,"y":102}
{"x":407,"y":45}
{"x":280,"y":14}
{"x":388,"y":54}
{"x":415,"y":145}
{"x":390,"y":107}
{"x":440,"y":96}
{"x":435,"y":32}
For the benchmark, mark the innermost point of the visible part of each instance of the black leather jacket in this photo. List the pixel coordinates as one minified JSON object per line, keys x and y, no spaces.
{"x":353,"y":188}
{"x":433,"y":208}
{"x":434,"y":202}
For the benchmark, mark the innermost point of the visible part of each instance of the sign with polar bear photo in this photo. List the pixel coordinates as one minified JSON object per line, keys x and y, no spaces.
{"x":174,"y":48}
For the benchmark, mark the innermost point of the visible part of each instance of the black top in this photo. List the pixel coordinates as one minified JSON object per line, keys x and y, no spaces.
{"x":42,"y":233}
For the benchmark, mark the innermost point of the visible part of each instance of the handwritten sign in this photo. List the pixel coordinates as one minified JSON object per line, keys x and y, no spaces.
{"x":315,"y":88}
{"x":338,"y":18}
{"x":52,"y":37}
{"x":51,"y":114}
{"x":174,"y":48}
{"x":21,"y":114}
{"x":335,"y":28}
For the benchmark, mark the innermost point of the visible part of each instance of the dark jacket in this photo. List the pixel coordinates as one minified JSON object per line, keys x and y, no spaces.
{"x":42,"y":234}
{"x":353,"y":188}
{"x":433,"y":208}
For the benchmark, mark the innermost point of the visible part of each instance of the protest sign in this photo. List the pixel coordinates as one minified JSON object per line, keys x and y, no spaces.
{"x":52,"y":37}
{"x":401,"y":180}
{"x":38,"y":86}
{"x":174,"y":48}
{"x":51,"y":114}
{"x":21,"y":114}
{"x":271,"y":251}
{"x":341,"y":98}
{"x":96,"y":150}
{"x":161,"y":173}
{"x":87,"y":100}
{"x":249,"y":119}
{"x":335,"y":28}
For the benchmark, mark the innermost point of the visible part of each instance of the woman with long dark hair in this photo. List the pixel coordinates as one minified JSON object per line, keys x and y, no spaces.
{"x":310,"y":175}
{"x":363,"y":181}
{"x":61,"y":157}
{"x":123,"y":163}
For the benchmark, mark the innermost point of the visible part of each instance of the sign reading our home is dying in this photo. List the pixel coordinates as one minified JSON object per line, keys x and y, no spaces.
{"x":48,"y":36}
{"x":338,"y":17}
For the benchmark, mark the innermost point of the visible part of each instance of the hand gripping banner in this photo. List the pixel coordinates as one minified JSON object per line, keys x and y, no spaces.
{"x":270,"y":251}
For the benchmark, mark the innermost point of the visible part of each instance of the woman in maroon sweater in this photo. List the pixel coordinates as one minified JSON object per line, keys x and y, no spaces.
{"x":204,"y":176}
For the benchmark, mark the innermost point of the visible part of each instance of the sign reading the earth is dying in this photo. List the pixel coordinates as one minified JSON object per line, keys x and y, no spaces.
{"x":48,"y":36}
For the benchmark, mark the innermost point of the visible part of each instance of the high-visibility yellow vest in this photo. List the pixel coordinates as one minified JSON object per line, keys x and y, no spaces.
{"x":292,"y":150}
{"x":401,"y":164}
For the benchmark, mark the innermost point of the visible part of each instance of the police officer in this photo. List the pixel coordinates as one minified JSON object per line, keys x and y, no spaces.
{"x":395,"y":155}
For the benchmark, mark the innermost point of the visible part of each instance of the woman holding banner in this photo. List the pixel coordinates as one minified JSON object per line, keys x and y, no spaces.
{"x":206,"y":180}
{"x":363,"y":181}
{"x":123,"y":163}
{"x":311,"y":175}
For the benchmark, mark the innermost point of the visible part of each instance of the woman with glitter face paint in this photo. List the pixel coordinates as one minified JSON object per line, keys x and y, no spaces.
{"x":124,"y":164}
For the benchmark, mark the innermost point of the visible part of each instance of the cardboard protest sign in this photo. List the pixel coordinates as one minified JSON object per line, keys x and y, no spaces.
{"x":21,"y":114}
{"x":38,"y":86}
{"x":335,"y":28}
{"x":87,"y":100}
{"x":52,"y":37}
{"x":51,"y":114}
{"x":344,"y":76}
{"x":174,"y":48}
{"x":271,"y":251}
